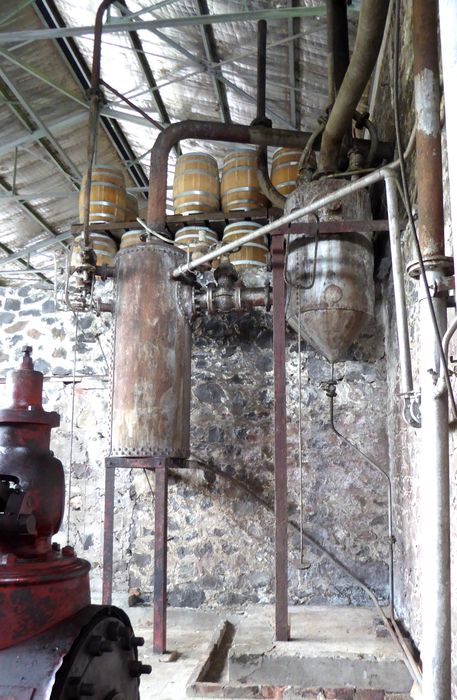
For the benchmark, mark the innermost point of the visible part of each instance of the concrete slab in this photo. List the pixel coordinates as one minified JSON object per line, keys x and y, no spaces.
{"x":329,"y":647}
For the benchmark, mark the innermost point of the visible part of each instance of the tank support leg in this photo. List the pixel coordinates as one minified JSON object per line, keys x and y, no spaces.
{"x":280,"y":441}
{"x":160,"y":558}
{"x":108,"y":527}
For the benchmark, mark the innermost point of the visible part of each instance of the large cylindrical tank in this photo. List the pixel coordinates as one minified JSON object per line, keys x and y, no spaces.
{"x":150,"y":389}
{"x":341,"y":298}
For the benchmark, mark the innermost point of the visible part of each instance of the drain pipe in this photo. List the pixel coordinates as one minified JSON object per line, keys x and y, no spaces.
{"x":372,"y":20}
{"x":448,"y":35}
{"x":265,"y":185}
{"x":337,"y":45}
{"x":436,"y":601}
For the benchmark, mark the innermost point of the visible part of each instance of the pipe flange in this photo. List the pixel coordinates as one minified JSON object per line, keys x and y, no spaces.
{"x":442,"y":263}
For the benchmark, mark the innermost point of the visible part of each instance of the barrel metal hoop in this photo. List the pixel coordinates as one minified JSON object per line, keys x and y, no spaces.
{"x":188,"y":193}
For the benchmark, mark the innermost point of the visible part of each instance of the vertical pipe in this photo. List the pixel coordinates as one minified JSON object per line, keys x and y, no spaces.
{"x":406,"y":374}
{"x":428,"y":133}
{"x":436,"y":601}
{"x":280,"y":441}
{"x":436,"y":604}
{"x":108,"y":527}
{"x":448,"y":34}
{"x":160,"y":558}
{"x":337,"y":45}
{"x":261,"y":68}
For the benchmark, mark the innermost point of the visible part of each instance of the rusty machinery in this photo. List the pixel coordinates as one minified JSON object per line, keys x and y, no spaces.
{"x":54,"y":645}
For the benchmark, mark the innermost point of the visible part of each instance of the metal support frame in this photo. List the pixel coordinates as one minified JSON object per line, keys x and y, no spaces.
{"x":160,"y":467}
{"x":280,"y":441}
{"x":293,"y":60}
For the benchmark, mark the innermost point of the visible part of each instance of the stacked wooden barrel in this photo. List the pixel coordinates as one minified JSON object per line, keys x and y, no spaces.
{"x":284,"y":169}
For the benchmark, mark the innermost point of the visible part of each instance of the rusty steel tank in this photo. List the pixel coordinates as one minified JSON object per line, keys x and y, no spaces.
{"x":333,"y":281}
{"x":150,"y":389}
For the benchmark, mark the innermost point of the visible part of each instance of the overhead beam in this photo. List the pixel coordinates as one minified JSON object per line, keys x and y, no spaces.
{"x":37,"y":134}
{"x":27,"y":116}
{"x":126,"y":25}
{"x":209,"y":44}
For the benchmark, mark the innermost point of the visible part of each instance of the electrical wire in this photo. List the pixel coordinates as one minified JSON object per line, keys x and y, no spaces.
{"x":407,"y":202}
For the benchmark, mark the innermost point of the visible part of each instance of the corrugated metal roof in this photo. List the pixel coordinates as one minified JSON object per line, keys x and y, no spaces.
{"x":48,"y":94}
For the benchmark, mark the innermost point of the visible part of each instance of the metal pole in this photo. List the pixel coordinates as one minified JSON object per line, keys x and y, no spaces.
{"x":108,"y":527}
{"x":160,"y":558}
{"x":435,"y":507}
{"x":448,"y":35}
{"x":436,"y":600}
{"x":280,"y":442}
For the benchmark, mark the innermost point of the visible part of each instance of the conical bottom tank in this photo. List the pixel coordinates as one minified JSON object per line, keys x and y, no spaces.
{"x":338,"y":299}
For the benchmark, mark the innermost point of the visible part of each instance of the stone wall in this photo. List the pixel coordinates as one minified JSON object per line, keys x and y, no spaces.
{"x":221,"y":521}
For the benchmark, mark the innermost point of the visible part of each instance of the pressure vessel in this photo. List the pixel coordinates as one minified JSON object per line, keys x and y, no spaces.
{"x":239,"y":185}
{"x":338,"y":299}
{"x":150,"y":381}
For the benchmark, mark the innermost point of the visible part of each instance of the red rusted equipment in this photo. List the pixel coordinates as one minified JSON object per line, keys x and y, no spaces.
{"x":53,"y":643}
{"x":40,"y":585}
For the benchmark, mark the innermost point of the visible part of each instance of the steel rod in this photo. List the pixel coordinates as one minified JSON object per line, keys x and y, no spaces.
{"x":160,"y":558}
{"x":108,"y":528}
{"x":280,"y":442}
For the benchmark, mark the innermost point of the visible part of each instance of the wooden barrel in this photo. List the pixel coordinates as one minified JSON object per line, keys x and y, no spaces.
{"x":131,"y":238}
{"x":131,"y":207}
{"x":253,"y":254}
{"x":196,"y":184}
{"x":107,"y":195}
{"x":104,"y":246}
{"x":239,"y":185}
{"x":284,"y":169}
{"x":189,"y":236}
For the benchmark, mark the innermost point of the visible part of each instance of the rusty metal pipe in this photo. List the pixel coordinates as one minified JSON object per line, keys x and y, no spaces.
{"x":266,"y":186}
{"x":337,"y":45}
{"x":95,"y":98}
{"x":436,"y":595}
{"x":372,"y":20}
{"x":217,"y":131}
{"x":428,"y":136}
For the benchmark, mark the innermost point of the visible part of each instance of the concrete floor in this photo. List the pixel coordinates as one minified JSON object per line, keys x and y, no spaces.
{"x":190,"y":633}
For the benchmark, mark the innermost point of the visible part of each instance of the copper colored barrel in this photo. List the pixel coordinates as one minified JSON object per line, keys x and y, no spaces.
{"x":150,"y":384}
{"x":251,"y":255}
{"x":196,"y":184}
{"x":107,"y":195}
{"x":104,"y":247}
{"x":284,"y":169}
{"x":239,"y":185}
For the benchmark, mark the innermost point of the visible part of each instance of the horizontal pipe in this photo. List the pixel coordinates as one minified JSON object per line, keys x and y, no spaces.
{"x":372,"y":20}
{"x":217,"y":131}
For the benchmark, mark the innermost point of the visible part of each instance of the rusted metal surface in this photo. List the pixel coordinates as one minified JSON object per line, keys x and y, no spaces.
{"x":160,"y":559}
{"x":152,"y":353}
{"x":280,"y":442}
{"x":337,"y":45}
{"x":335,"y":226}
{"x":333,"y":272}
{"x":216,"y":131}
{"x":372,"y":19}
{"x":41,"y":667}
{"x":39,"y":583}
{"x":428,"y":129}
{"x":108,"y":530}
